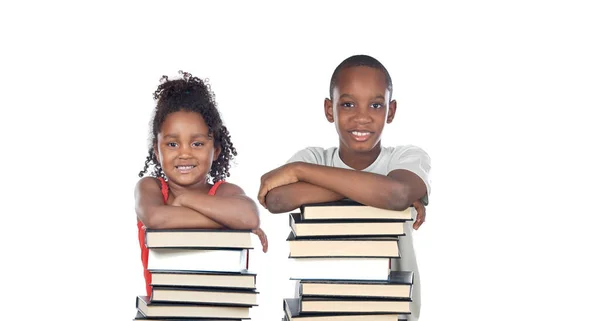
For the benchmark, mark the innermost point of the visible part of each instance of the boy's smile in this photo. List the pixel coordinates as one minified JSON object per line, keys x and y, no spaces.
{"x":360,"y":108}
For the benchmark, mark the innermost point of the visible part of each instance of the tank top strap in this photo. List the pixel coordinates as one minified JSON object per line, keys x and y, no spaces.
{"x":164,"y":188}
{"x":213,"y":189}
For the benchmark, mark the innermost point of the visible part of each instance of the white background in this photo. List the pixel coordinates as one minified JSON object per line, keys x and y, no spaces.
{"x":504,"y":97}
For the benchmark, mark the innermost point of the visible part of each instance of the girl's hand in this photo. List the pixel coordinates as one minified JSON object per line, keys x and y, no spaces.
{"x":178,"y":200}
{"x":263,"y":239}
{"x":280,"y":176}
{"x":420,"y":214}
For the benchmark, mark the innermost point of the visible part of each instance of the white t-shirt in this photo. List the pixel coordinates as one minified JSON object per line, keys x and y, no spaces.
{"x":407,"y":157}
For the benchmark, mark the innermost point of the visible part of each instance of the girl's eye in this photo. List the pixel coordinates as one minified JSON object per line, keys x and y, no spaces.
{"x":172,"y":144}
{"x":197,"y":144}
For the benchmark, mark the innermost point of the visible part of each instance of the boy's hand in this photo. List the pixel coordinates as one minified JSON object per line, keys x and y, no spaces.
{"x":420,"y":214}
{"x":263,"y":239}
{"x":280,"y":176}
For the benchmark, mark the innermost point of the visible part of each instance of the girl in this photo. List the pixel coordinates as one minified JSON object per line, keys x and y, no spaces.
{"x":190,"y":154}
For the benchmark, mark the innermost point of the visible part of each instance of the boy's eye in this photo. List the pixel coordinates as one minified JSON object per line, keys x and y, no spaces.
{"x":347,"y":105}
{"x":377,"y":105}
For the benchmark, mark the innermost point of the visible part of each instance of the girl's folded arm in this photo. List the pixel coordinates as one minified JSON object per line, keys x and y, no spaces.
{"x":154,"y":214}
{"x":229,"y":206}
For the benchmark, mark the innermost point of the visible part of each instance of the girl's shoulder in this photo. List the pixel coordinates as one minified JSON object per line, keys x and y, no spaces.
{"x":228,"y":189}
{"x":149,"y":182}
{"x":152,"y":186}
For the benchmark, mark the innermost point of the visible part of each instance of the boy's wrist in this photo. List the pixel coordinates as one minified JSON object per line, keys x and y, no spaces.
{"x":298,"y":169}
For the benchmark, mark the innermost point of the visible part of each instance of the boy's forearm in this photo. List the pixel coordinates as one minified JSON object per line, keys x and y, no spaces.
{"x":235,"y":212}
{"x":289,"y":197}
{"x":175,"y":217}
{"x":366,"y":188}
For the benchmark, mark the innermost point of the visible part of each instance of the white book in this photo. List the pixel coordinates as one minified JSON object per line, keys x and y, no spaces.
{"x":335,"y":268}
{"x":197,"y":260}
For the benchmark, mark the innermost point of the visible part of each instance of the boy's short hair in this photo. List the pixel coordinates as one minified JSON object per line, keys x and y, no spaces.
{"x":356,"y":61}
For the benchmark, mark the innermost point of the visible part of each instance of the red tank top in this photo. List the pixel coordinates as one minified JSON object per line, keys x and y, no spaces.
{"x":164,"y":188}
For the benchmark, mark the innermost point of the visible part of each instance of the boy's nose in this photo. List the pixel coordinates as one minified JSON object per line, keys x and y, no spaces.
{"x":363,"y":116}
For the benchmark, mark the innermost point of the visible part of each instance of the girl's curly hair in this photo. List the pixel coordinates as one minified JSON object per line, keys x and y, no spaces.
{"x":190,"y":94}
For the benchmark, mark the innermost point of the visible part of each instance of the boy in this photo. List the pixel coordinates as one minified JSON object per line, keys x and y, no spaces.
{"x":360,"y":168}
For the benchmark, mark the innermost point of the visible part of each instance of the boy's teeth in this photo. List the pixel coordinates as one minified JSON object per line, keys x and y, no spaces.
{"x":360,"y":133}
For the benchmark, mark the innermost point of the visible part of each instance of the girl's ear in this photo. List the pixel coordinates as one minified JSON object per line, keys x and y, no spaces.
{"x":216,"y":153}
{"x":155,"y":150}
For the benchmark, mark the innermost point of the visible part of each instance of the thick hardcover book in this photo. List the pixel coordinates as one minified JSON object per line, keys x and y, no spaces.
{"x":199,"y":238}
{"x":350,"y":209}
{"x":234,"y":280}
{"x":344,"y":228}
{"x":398,"y":286}
{"x":292,"y":312}
{"x":188,"y":310}
{"x":344,"y":247}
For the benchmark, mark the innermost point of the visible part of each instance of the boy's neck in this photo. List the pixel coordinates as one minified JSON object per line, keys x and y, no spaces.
{"x":359,"y":160}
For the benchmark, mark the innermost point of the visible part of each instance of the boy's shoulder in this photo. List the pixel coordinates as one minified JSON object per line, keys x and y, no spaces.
{"x":407,"y":149}
{"x":314,"y":154}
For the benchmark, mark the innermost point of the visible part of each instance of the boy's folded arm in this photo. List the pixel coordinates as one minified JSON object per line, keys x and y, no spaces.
{"x":289,"y":197}
{"x":397,"y":191}
{"x":229,"y":206}
{"x":154,"y":214}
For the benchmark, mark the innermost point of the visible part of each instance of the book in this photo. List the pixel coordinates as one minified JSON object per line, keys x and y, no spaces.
{"x":291,"y":309}
{"x":139,"y":316}
{"x":204,"y":295}
{"x":335,"y":268}
{"x":350,"y":209}
{"x":199,"y":238}
{"x":398,"y":286}
{"x":241,"y":280}
{"x":343,"y":247}
{"x":345,"y":228}
{"x":197,"y":260}
{"x":179,"y":310}
{"x":371,"y":306}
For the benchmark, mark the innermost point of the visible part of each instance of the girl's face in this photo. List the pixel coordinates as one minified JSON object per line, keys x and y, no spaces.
{"x":184,"y":149}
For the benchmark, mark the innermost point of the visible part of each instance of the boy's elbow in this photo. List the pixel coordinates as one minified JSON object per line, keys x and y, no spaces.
{"x":275,"y":203}
{"x":398,"y":198}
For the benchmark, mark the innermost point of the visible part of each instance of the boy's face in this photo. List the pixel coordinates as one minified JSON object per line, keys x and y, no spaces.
{"x":360,"y":108}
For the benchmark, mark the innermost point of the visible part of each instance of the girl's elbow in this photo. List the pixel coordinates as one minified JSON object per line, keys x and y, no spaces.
{"x":254,"y":222}
{"x":152,"y":221}
{"x":250,"y":222}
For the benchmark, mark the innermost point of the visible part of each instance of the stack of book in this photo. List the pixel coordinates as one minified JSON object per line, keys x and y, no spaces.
{"x":341,"y":255}
{"x":198,"y":274}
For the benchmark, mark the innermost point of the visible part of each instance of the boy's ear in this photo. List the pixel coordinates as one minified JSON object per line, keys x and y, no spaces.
{"x":329,"y":110}
{"x":391,"y":111}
